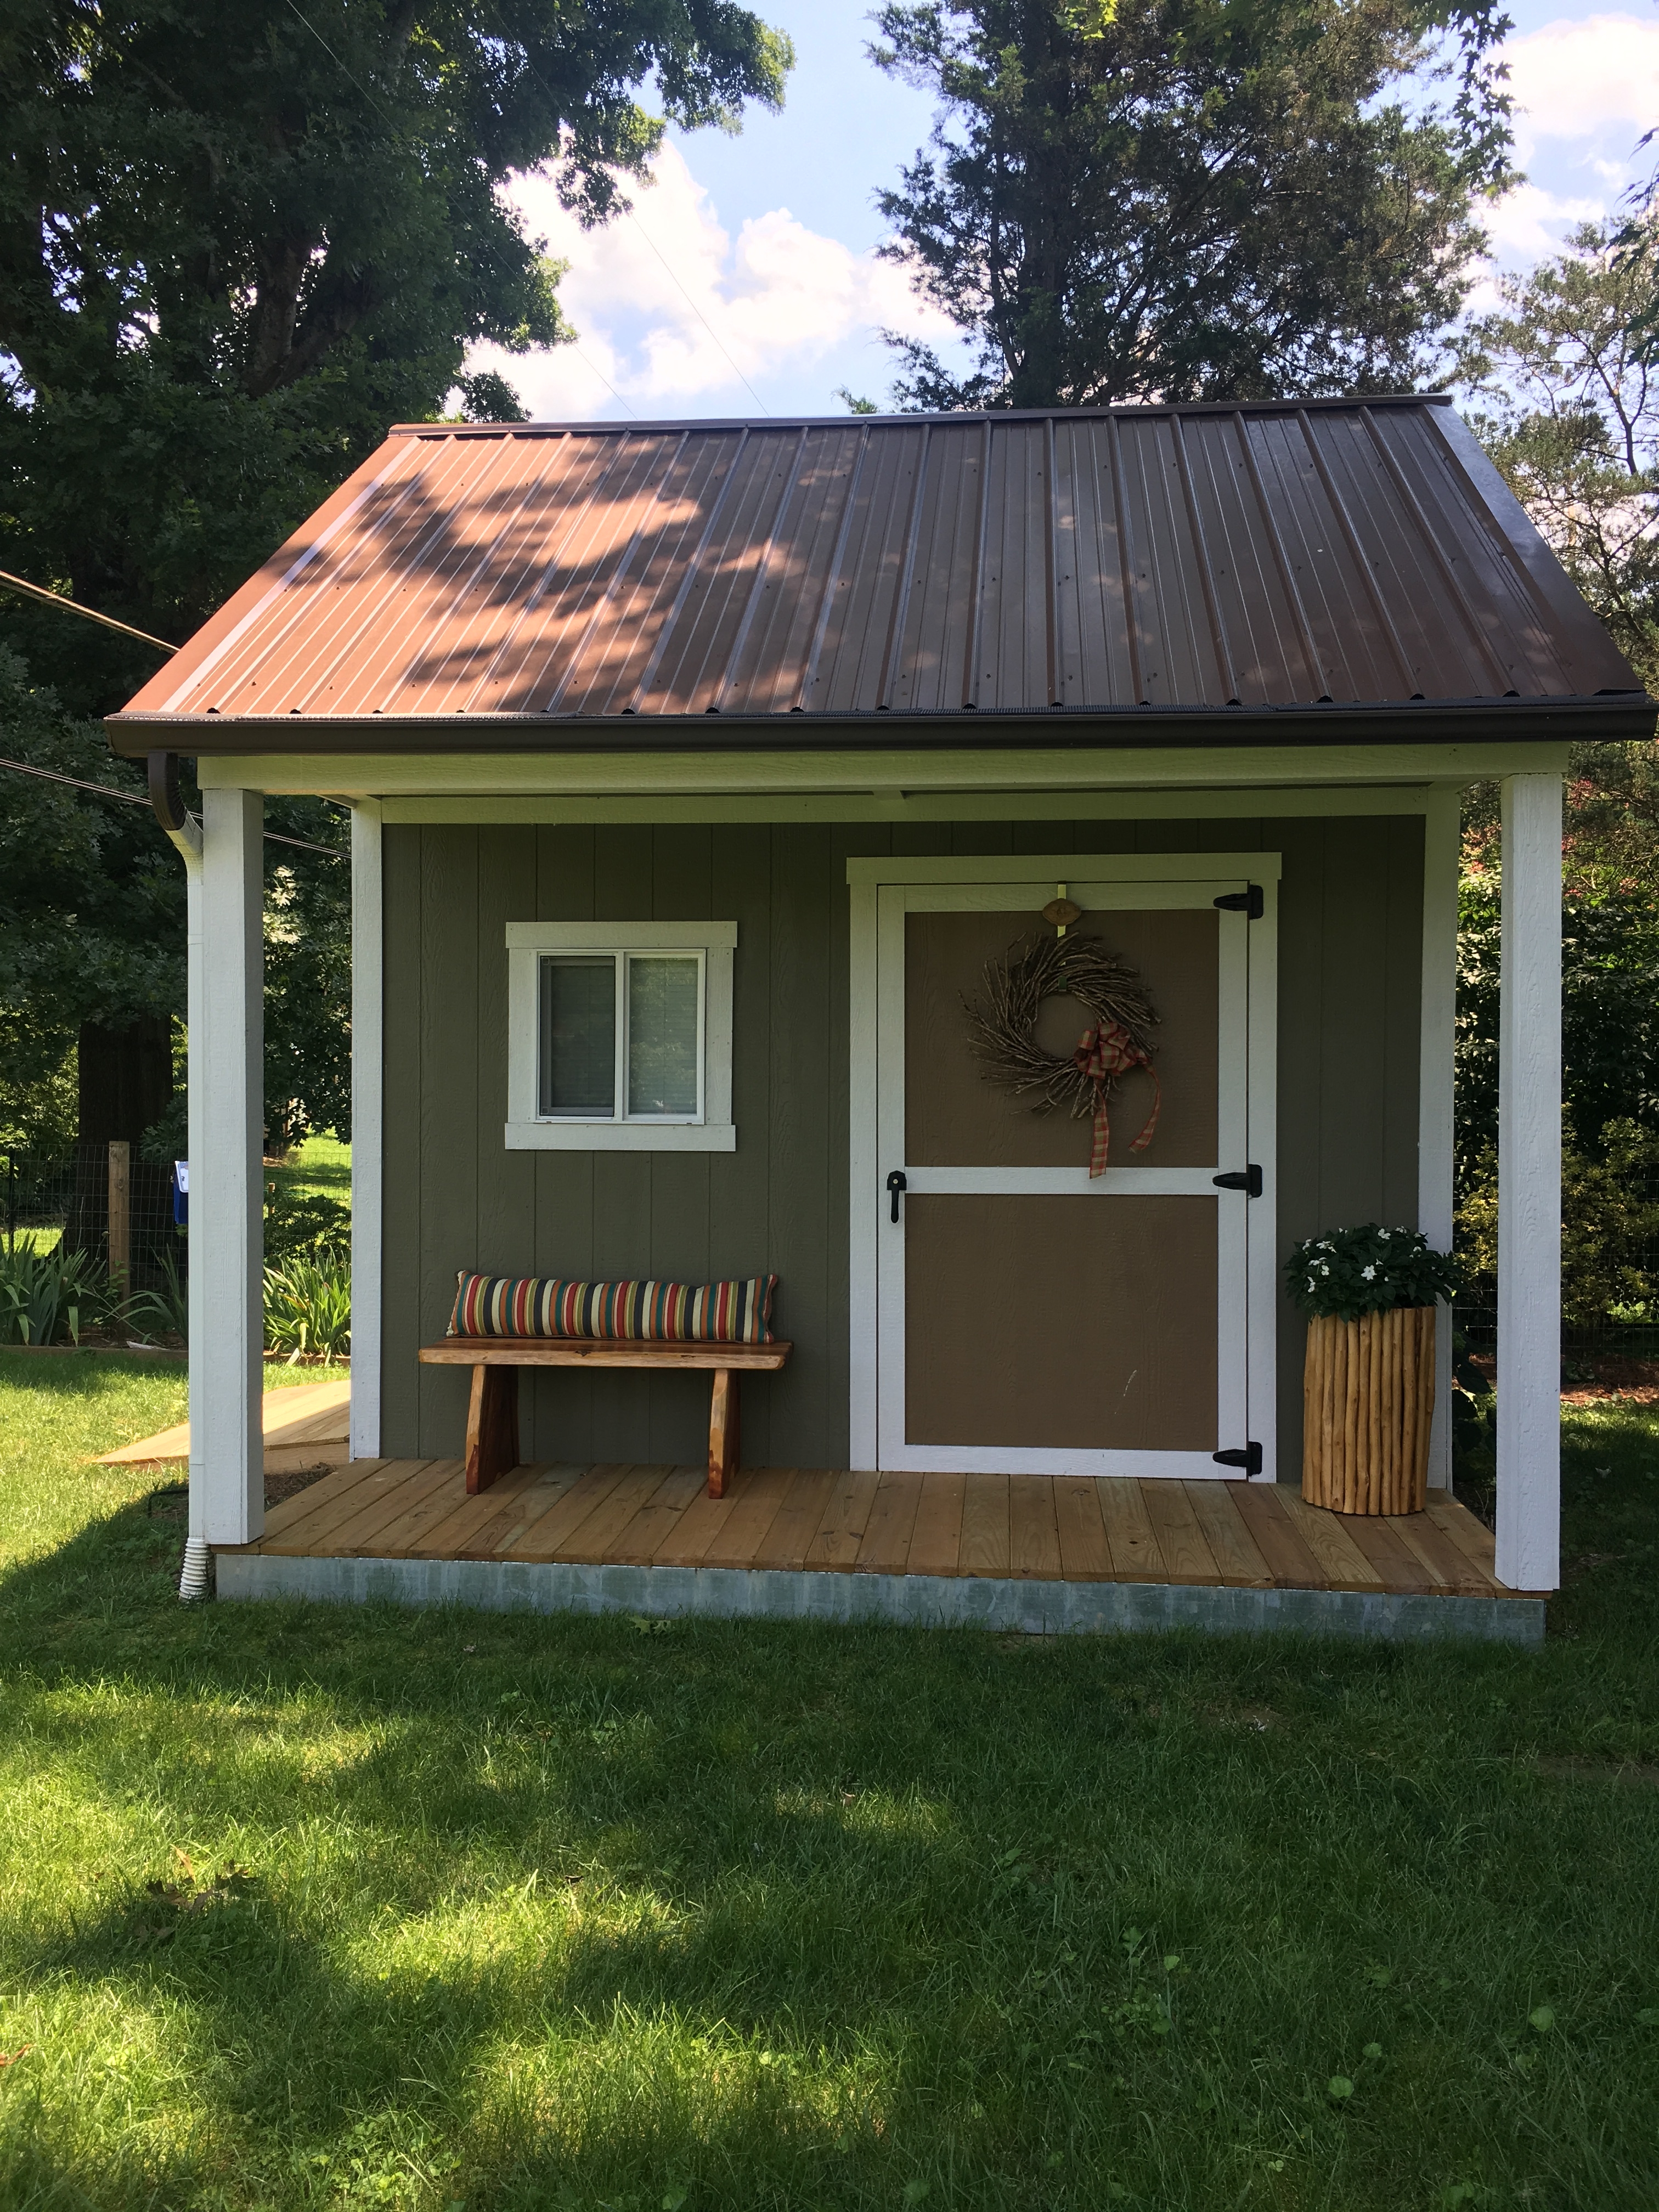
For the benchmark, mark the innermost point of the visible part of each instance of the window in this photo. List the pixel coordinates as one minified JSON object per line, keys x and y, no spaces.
{"x":620,"y":1036}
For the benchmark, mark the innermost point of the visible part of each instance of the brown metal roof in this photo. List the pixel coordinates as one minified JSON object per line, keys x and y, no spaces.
{"x":694,"y":582}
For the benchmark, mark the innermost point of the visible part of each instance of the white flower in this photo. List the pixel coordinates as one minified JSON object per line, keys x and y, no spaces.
{"x":1367,"y":1273}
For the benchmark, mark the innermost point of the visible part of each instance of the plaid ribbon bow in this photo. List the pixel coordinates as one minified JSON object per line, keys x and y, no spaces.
{"x":1101,"y":1055}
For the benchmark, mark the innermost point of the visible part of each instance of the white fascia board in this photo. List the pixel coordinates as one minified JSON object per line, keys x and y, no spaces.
{"x":904,"y":774}
{"x":621,"y":1137}
{"x":1082,"y":868}
{"x":620,"y":936}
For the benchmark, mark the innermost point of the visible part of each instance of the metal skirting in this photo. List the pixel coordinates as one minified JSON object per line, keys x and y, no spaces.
{"x":1030,"y":1608}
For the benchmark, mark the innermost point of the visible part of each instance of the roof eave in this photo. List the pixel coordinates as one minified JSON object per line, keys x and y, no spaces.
{"x":1609,"y":717}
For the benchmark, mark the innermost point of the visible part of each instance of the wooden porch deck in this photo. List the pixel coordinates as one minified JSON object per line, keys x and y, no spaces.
{"x":785,"y":1529}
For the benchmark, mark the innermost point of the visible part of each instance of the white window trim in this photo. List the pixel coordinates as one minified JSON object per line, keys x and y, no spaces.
{"x":527,"y":1130}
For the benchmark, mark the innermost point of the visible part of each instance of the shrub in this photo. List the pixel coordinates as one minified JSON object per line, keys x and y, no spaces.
{"x":45,"y":1294}
{"x":1354,"y":1271}
{"x":1609,"y":1227}
{"x":164,"y":1308}
{"x":313,"y":1227}
{"x":309,"y":1306}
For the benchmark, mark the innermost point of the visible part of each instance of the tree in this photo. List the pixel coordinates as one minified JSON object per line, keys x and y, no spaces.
{"x":1187,"y":198}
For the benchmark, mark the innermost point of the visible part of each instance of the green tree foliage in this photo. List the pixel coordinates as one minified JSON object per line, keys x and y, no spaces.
{"x":1188,"y":198}
{"x":92,"y":899}
{"x":1574,"y":423}
{"x":237,"y":241}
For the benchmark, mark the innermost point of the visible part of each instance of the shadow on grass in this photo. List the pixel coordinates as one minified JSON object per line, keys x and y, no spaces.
{"x":567,"y":1911}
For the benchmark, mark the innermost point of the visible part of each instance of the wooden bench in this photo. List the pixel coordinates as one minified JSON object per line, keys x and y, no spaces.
{"x":492,"y":1415}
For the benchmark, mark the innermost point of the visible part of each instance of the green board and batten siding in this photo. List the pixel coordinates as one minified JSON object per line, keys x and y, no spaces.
{"x":1350,"y":968}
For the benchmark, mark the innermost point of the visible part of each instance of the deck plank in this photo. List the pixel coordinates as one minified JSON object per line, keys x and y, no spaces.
{"x":1452,"y":1569}
{"x":1398,"y":1565}
{"x":593,"y":1539}
{"x":318,"y":1495}
{"x":1238,"y":1556}
{"x":886,"y":1546}
{"x":755,"y":1499}
{"x":329,"y":1532}
{"x":638,"y":1543}
{"x":441,"y":1523}
{"x":1136,"y":1556}
{"x":1187,"y":1555}
{"x":1085,"y":1556}
{"x":378,"y":1527}
{"x":1290,"y":1562}
{"x":985,"y":1529}
{"x":695,"y":1530}
{"x":936,"y":1538}
{"x":1470,"y":1534}
{"x":798,"y":1520}
{"x":543,"y":1540}
{"x":835,"y":1545}
{"x":518,"y":1515}
{"x":1033,"y":1531}
{"x":1323,"y":1533}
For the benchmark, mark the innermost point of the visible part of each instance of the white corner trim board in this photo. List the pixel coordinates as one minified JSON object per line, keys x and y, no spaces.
{"x":1435,"y":1134}
{"x":1529,"y":1189}
{"x":367,"y":1126}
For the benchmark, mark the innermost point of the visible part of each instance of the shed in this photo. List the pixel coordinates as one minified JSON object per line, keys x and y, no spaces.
{"x":702,"y":776}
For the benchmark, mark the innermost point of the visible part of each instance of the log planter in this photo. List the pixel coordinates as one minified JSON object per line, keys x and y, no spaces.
{"x":1367,"y":1402}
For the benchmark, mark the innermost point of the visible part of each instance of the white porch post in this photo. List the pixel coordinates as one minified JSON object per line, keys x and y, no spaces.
{"x":367,"y":1084}
{"x":1529,"y":1189}
{"x":227,"y":1129}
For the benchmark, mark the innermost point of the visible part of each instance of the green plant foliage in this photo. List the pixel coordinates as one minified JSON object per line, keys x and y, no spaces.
{"x":307,"y":1225}
{"x":163,"y":1309}
{"x":309,"y":1306}
{"x":1609,"y":1227}
{"x":1168,"y":199}
{"x":1352,"y":1271}
{"x":46,"y":1296}
{"x":1609,"y":1017}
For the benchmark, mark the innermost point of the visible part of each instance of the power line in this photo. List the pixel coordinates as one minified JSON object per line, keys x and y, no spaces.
{"x":697,"y":312}
{"x":603,"y":378}
{"x":131,"y":799}
{"x":58,"y":600}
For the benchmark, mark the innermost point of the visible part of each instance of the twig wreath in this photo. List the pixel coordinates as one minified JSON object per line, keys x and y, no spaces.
{"x":1003,"y":1025}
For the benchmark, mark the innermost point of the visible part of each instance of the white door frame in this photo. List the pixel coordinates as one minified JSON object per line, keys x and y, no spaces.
{"x":886,"y":890}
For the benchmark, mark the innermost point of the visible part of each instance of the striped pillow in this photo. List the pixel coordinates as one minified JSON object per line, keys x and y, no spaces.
{"x":663,"y":1313}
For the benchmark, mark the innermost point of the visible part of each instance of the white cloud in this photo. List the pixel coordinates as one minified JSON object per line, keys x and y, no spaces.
{"x":669,"y":312}
{"x":1528,"y":224}
{"x":1575,"y":80}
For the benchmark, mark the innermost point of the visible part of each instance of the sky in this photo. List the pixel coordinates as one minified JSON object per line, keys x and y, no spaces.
{"x":745,"y":278}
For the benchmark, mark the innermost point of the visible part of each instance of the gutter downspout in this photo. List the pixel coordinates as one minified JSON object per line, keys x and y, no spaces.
{"x":184,"y":832}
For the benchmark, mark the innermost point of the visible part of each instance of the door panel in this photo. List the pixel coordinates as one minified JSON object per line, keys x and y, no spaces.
{"x":1062,"y":1324}
{"x":954,"y":1118}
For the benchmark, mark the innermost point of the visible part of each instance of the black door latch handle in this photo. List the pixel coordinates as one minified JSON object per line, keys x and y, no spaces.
{"x":896,"y":1183}
{"x":1247,"y":1179}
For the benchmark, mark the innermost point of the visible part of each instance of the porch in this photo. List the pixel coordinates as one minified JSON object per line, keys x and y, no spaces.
{"x":1034,"y":1553}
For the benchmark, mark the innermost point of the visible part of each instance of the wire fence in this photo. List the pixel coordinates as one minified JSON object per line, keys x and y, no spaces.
{"x":98,"y":1200}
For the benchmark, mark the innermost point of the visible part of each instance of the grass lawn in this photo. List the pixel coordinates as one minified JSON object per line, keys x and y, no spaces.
{"x":337,"y":1908}
{"x":321,"y":1167}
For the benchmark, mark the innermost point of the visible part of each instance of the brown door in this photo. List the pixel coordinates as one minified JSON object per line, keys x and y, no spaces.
{"x":1033,"y":1318}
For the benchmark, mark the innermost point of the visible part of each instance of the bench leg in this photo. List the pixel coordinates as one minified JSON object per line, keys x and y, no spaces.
{"x":724,"y":1430}
{"x":492,"y":1426}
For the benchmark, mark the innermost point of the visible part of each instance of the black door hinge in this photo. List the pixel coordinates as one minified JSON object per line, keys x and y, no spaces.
{"x":1248,"y":1179}
{"x":1251,"y":903}
{"x":1249,"y":1459}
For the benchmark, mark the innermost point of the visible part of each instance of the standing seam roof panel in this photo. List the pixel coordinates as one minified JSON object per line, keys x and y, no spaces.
{"x":1286,"y":554}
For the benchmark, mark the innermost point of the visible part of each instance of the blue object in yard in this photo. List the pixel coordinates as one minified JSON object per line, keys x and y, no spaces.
{"x":181,"y":1194}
